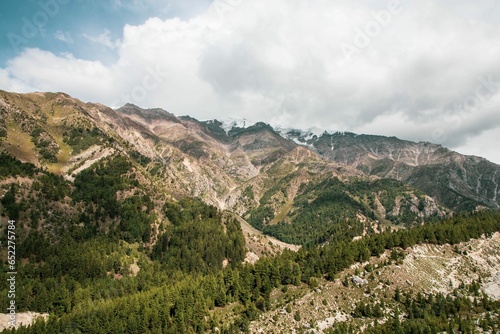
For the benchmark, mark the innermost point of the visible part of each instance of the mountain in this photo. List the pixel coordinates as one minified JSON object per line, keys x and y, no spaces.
{"x":457,"y":181}
{"x":245,"y":166}
{"x":298,"y":186}
{"x":221,"y":162}
{"x":138,"y":220}
{"x":253,"y":170}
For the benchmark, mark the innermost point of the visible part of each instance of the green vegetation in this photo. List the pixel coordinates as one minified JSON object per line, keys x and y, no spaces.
{"x":118,"y":250}
{"x":196,"y":241}
{"x":9,"y":202}
{"x":248,"y":193}
{"x":10,"y":166}
{"x":98,"y":186}
{"x":325,"y":212}
{"x":3,"y":129}
{"x":76,"y":280}
{"x":86,"y":260}
{"x":435,"y":313}
{"x":45,"y":144}
{"x":82,"y":138}
{"x":329,"y":210}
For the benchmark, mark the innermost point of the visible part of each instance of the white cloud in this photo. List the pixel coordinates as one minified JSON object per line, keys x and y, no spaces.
{"x":63,"y":37}
{"x":12,"y":84}
{"x":104,"y":39}
{"x":43,"y":71}
{"x":483,"y":145}
{"x":413,"y":74}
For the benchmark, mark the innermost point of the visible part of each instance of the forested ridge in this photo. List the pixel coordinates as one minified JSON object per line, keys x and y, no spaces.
{"x":332,"y":208}
{"x":161,"y":299}
{"x":84,"y":254}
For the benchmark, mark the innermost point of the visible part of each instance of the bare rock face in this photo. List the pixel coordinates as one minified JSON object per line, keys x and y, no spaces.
{"x":21,"y":319}
{"x":492,"y":288}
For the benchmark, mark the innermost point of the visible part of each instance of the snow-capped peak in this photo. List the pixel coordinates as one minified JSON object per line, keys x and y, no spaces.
{"x":302,"y":137}
{"x":229,"y":123}
{"x":307,"y":134}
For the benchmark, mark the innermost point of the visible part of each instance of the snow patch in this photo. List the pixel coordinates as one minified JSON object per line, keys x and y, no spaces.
{"x":305,"y":137}
{"x":305,"y":134}
{"x":229,"y":123}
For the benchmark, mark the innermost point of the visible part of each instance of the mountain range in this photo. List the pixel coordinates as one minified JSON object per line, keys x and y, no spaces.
{"x":137,"y":217}
{"x":263,"y":174}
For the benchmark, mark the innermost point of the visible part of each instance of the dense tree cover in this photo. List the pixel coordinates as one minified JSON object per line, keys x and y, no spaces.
{"x":9,"y":202}
{"x":10,"y":166}
{"x":93,"y":198}
{"x":98,"y":186}
{"x":78,"y":264}
{"x":51,"y":186}
{"x":329,"y":210}
{"x":85,"y":208}
{"x":160,"y":300}
{"x":197,"y":240}
{"x":72,"y":275}
{"x":82,"y":138}
{"x":323,"y":211}
{"x":436,"y":313}
{"x":59,"y":275}
{"x":45,"y":144}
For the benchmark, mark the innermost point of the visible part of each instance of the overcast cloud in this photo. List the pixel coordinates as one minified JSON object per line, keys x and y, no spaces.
{"x":419,"y":70}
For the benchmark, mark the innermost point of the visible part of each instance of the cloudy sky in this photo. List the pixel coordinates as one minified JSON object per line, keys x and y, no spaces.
{"x":417,"y":69}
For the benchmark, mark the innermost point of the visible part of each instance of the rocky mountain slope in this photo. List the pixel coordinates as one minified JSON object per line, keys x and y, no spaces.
{"x":254,"y":171}
{"x":460,"y":182}
{"x":115,"y":209}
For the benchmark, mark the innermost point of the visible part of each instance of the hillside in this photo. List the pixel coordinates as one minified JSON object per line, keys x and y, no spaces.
{"x":457,"y":181}
{"x":138,"y":294}
{"x":469,"y":270}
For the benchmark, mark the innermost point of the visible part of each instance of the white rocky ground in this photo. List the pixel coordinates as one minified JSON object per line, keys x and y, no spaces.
{"x":23,"y":318}
{"x":426,"y":268}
